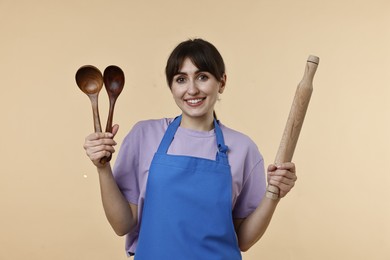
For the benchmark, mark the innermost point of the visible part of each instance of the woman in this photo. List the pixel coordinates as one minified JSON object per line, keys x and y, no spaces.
{"x":188,"y":187}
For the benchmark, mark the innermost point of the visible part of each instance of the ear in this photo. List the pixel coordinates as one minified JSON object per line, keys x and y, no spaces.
{"x":222,"y":84}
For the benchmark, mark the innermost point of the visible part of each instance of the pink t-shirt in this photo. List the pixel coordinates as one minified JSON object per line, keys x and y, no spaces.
{"x":138,"y":148}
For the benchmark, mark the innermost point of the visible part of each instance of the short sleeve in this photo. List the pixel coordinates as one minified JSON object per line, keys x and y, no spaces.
{"x":126,"y":166}
{"x":252,"y":192}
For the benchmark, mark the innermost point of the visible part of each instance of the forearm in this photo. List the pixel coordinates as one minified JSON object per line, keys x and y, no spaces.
{"x":116,"y":207}
{"x":253,"y":227}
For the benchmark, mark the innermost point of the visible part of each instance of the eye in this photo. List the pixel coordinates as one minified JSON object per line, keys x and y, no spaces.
{"x":180,"y":79}
{"x":203,"y":77}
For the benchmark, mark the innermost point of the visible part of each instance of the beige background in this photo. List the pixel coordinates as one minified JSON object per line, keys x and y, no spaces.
{"x":49,"y":194}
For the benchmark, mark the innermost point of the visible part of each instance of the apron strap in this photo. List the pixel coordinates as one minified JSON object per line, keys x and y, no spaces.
{"x":174,"y":125}
{"x":222,"y":148}
{"x":169,"y":135}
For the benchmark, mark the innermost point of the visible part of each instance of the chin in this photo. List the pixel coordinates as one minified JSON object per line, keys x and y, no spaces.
{"x":195,"y":115}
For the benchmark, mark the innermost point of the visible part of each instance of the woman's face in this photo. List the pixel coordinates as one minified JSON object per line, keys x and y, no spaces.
{"x":195,"y":92}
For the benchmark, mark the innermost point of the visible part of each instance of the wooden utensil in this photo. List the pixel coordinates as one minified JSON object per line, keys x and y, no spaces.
{"x":114,"y":80}
{"x":295,"y":120}
{"x":90,"y":81}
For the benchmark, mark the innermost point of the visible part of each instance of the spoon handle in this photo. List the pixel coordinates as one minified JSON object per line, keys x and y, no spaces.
{"x":97,"y":125}
{"x":110,"y":115}
{"x":109,"y":126}
{"x":95,"y":110}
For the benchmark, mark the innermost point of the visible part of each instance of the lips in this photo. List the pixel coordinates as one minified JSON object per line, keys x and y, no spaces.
{"x":193,"y":102}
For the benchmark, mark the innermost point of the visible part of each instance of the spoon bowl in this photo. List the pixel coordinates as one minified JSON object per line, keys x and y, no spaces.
{"x":90,"y":80}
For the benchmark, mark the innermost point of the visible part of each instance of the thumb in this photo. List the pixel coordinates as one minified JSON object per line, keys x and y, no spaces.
{"x":271,"y":168}
{"x":115,"y":129}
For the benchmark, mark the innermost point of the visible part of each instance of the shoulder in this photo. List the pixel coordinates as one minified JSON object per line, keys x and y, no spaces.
{"x":236,"y":138}
{"x":147,"y":130}
{"x":234,"y":133}
{"x":242,"y":149}
{"x":152,"y":124}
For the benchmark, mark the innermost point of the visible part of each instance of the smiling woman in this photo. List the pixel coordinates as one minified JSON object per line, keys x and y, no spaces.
{"x":188,"y":187}
{"x":203,"y":55}
{"x":195,"y":93}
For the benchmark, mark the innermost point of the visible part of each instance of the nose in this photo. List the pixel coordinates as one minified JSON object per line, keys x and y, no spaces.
{"x":192,"y":88}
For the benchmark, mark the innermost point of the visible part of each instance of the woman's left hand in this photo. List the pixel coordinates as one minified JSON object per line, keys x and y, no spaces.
{"x":282,"y":176}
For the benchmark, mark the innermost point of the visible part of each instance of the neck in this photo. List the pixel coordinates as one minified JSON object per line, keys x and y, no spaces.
{"x":205,"y":123}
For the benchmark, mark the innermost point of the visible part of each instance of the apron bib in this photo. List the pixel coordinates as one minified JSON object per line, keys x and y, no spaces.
{"x":187,"y":214}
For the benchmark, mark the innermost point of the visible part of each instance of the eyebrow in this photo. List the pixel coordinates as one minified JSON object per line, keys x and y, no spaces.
{"x":184,"y":73}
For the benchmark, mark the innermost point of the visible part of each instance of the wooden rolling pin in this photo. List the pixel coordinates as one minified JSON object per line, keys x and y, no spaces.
{"x":295,"y":120}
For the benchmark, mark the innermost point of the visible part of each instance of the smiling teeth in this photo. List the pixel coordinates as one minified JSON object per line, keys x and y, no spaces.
{"x":194,"y":101}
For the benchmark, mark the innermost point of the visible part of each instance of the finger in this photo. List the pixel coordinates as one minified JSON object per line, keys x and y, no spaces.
{"x":286,"y":179}
{"x":284,"y":187}
{"x":115,"y":129}
{"x":282,"y":180}
{"x":286,"y":166}
{"x":99,"y":142}
{"x":102,"y":138}
{"x":97,"y":136}
{"x":96,"y":157}
{"x":283,"y":174}
{"x":271,"y":168}
{"x":95,"y":149}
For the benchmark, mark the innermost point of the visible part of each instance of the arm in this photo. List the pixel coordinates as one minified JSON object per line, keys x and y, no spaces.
{"x":121,"y":215}
{"x":249,"y":230}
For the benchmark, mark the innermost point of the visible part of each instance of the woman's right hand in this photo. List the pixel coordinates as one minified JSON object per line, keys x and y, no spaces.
{"x":99,"y":145}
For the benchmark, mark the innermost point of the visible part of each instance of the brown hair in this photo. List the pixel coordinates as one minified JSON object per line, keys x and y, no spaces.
{"x":203,"y":54}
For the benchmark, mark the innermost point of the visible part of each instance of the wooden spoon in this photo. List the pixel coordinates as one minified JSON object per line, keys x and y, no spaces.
{"x":114,"y":80}
{"x":90,"y":81}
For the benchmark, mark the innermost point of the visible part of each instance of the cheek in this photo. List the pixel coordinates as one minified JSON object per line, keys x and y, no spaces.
{"x":176,"y":93}
{"x":214,"y":92}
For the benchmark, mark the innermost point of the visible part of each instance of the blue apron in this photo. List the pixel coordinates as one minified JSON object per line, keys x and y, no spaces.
{"x":187,"y":213}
